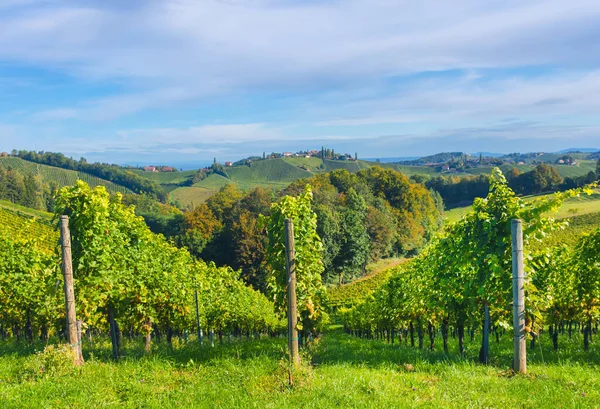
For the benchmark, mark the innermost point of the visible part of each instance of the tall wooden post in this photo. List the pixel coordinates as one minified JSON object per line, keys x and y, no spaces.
{"x":290,"y":253}
{"x":198,"y":319}
{"x":67,"y":268}
{"x":518,"y":276}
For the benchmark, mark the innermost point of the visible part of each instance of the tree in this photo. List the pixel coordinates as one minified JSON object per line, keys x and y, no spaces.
{"x":355,"y":243}
{"x":200,"y":226}
{"x":14,"y":188}
{"x":30,"y":195}
{"x":545,"y":178}
{"x":380,"y":226}
{"x":598,"y":169}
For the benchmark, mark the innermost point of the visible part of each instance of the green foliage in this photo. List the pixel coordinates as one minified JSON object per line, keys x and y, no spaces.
{"x":62,"y":177}
{"x":310,"y":291}
{"x":355,"y":244}
{"x":112,"y":173}
{"x":466,"y":267}
{"x":119,"y":263}
{"x":28,"y":285}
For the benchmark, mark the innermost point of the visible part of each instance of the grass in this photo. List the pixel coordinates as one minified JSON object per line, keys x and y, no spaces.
{"x":191,"y":195}
{"x":344,"y":372}
{"x":63,"y":177}
{"x":213,"y":182}
{"x":312,"y":164}
{"x":575,"y":206}
{"x":266,"y":172}
{"x":165,"y":178}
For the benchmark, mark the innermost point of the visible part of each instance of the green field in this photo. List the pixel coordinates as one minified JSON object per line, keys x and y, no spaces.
{"x":273,"y":173}
{"x":340,"y":371}
{"x":191,"y":195}
{"x":575,"y":206}
{"x":165,"y":178}
{"x":312,"y":164}
{"x":63,"y":177}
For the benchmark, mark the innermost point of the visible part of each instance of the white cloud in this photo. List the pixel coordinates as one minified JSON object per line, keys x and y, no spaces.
{"x":208,"y":47}
{"x":205,"y":134}
{"x":55,"y":114}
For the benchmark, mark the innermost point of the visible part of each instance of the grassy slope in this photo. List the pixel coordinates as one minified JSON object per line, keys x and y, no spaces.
{"x":312,"y":164}
{"x":19,"y":221}
{"x":347,"y":372}
{"x":278,"y":173}
{"x":63,"y":177}
{"x":273,"y":173}
{"x":166,"y":178}
{"x":575,"y":206}
{"x":266,"y":172}
{"x":191,"y":195}
{"x":348,"y":294}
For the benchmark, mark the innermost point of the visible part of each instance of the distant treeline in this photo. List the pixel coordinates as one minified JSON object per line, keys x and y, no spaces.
{"x":27,"y":191}
{"x":112,"y":173}
{"x":362,"y":217}
{"x":543,"y":178}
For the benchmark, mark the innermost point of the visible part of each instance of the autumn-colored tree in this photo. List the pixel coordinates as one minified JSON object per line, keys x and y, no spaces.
{"x":200,"y":226}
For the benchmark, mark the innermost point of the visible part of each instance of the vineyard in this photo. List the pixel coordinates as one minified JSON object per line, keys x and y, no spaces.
{"x":462,"y":281}
{"x":186,"y":333}
{"x":21,"y":224}
{"x":62,"y":177}
{"x":126,"y":276}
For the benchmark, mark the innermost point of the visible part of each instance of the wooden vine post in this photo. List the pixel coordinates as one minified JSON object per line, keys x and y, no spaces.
{"x":292,"y":310}
{"x":198,"y":327}
{"x":518,"y":276}
{"x":67,"y":268}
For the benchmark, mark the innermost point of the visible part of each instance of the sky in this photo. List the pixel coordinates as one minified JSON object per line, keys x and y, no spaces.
{"x":180,"y":81}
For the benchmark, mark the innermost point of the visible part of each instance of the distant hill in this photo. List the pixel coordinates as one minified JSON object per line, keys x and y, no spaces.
{"x":268,"y":173}
{"x":438,"y":158}
{"x":63,"y":177}
{"x":278,"y":173}
{"x":487,"y":154}
{"x":584,"y":150}
{"x":392,"y":160}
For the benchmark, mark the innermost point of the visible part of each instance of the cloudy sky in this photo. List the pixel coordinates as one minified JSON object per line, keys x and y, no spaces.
{"x":183,"y":80}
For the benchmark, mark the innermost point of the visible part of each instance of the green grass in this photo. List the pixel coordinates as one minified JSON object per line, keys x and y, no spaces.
{"x":165,"y":178}
{"x":575,"y":206}
{"x":340,"y":372}
{"x":63,"y":177}
{"x":191,"y":195}
{"x":213,"y":182}
{"x":312,"y":164}
{"x":266,"y":172}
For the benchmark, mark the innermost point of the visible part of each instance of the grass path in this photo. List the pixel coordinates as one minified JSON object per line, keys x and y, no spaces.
{"x":346,"y":372}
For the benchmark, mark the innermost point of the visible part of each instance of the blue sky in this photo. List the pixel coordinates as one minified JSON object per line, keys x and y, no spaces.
{"x":178,"y":81}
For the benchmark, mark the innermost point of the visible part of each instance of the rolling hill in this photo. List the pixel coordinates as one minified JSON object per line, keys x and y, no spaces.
{"x":63,"y":177}
{"x":278,"y":173}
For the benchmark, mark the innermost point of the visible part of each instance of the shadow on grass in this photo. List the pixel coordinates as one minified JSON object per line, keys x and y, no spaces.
{"x":180,"y":353}
{"x":335,"y":347}
{"x":338,"y":347}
